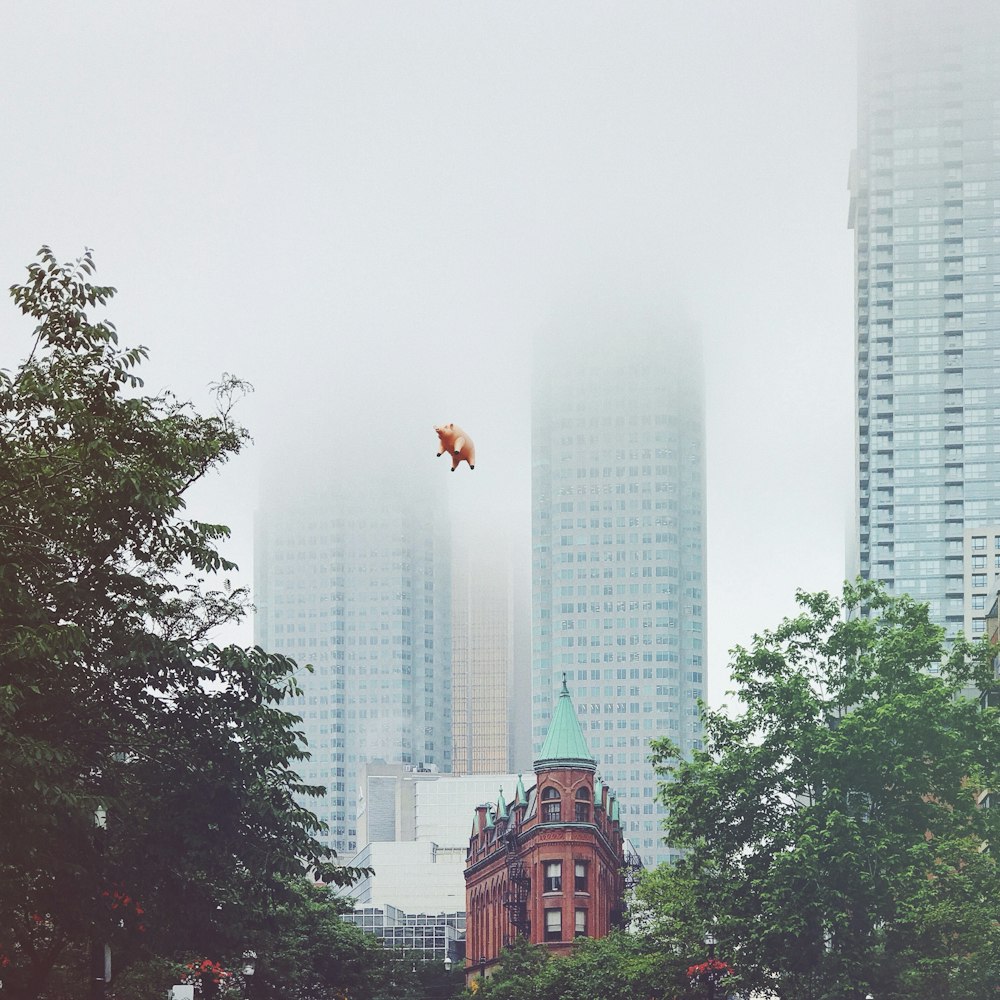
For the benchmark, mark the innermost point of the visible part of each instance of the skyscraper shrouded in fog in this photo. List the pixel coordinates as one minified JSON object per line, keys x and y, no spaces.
{"x":925,"y":209}
{"x":353,"y":577}
{"x":618,"y":546}
{"x":491,"y":673}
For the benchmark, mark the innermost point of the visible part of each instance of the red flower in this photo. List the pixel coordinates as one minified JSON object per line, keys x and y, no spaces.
{"x":714,"y":968}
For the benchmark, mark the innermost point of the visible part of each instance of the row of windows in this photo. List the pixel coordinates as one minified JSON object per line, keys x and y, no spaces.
{"x":552,"y":806}
{"x":553,"y":876}
{"x":553,"y":924}
{"x":979,"y":543}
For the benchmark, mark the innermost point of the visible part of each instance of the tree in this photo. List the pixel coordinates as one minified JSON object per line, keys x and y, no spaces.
{"x":618,"y":967}
{"x":307,"y":952}
{"x":149,"y":796}
{"x":832,"y":825}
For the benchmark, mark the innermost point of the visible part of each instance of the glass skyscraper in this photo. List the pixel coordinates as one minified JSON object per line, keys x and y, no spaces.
{"x":489,"y":660}
{"x":618,"y":548}
{"x":925,"y":209}
{"x":354,"y":579}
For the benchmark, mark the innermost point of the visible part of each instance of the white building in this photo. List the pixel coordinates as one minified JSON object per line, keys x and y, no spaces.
{"x":424,"y":818}
{"x":416,"y":877}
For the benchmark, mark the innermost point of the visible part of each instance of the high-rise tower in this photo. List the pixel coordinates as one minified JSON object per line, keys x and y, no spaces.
{"x":618,"y":546}
{"x":925,"y":209}
{"x":354,"y":579}
{"x":491,"y":674}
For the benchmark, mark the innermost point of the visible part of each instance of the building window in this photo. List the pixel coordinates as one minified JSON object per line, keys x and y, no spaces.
{"x":551,"y":806}
{"x":553,"y":925}
{"x":979,"y":541}
{"x":581,"y":924}
{"x":583,"y":796}
{"x":979,"y":562}
{"x":978,"y":580}
{"x":580,"y":876}
{"x":553,"y":876}
{"x":978,"y":602}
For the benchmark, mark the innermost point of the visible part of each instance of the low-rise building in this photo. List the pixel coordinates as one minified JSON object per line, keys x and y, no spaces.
{"x":434,"y":937}
{"x":549,"y":865}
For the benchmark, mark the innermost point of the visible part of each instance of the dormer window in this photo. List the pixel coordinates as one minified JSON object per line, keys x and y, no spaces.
{"x":551,"y":806}
{"x":583,"y":797}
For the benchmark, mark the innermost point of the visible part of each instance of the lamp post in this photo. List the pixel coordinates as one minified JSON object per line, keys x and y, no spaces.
{"x":100,"y":952}
{"x":482,"y":968}
{"x":248,"y":969}
{"x":710,"y":943}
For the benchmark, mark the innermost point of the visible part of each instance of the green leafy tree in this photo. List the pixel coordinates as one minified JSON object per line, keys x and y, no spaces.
{"x":618,"y":967}
{"x":412,"y":976}
{"x":833,"y":832}
{"x":149,"y":793}
{"x":519,"y":973}
{"x":307,"y":952}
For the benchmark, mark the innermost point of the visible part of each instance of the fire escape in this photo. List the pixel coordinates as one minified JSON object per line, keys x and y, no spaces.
{"x":633,"y":867}
{"x":516,"y":901}
{"x":631,"y":871}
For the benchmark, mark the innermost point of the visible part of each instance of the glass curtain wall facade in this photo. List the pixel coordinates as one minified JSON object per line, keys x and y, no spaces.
{"x":355,"y":580}
{"x":618,"y":550}
{"x":490,"y":681}
{"x":925,"y":209}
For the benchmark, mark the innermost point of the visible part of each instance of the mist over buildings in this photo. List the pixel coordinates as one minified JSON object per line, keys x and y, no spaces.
{"x":374,"y":214}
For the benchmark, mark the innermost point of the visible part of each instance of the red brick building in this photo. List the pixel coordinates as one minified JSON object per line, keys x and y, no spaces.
{"x":550,"y":864}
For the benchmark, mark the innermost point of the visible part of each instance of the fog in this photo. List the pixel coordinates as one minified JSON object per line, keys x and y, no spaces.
{"x":375,"y":213}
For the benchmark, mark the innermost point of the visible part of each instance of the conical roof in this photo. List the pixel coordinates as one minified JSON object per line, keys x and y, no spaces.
{"x":522,"y":795}
{"x":565,"y":745}
{"x":501,"y":806}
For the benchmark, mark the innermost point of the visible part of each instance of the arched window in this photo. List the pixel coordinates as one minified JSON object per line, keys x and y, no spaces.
{"x":583,"y":797}
{"x":551,"y":806}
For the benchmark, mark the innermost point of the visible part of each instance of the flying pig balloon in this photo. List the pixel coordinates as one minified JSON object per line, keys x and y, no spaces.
{"x":458,"y":444}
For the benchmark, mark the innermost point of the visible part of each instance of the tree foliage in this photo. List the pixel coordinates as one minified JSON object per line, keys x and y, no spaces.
{"x":140,"y":761}
{"x":618,"y":967}
{"x":833,"y":830}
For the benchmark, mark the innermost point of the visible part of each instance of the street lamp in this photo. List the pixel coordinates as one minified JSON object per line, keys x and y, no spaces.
{"x":249,"y":968}
{"x":710,"y":943}
{"x":447,"y":963}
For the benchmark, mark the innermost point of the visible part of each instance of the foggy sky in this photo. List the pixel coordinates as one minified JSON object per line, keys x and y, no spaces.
{"x":371,"y":210}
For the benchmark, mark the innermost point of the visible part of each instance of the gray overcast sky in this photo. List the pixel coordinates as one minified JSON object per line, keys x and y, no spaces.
{"x":369,"y":209}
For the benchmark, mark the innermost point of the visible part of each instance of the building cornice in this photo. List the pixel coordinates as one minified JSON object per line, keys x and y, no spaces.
{"x":525,"y":837}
